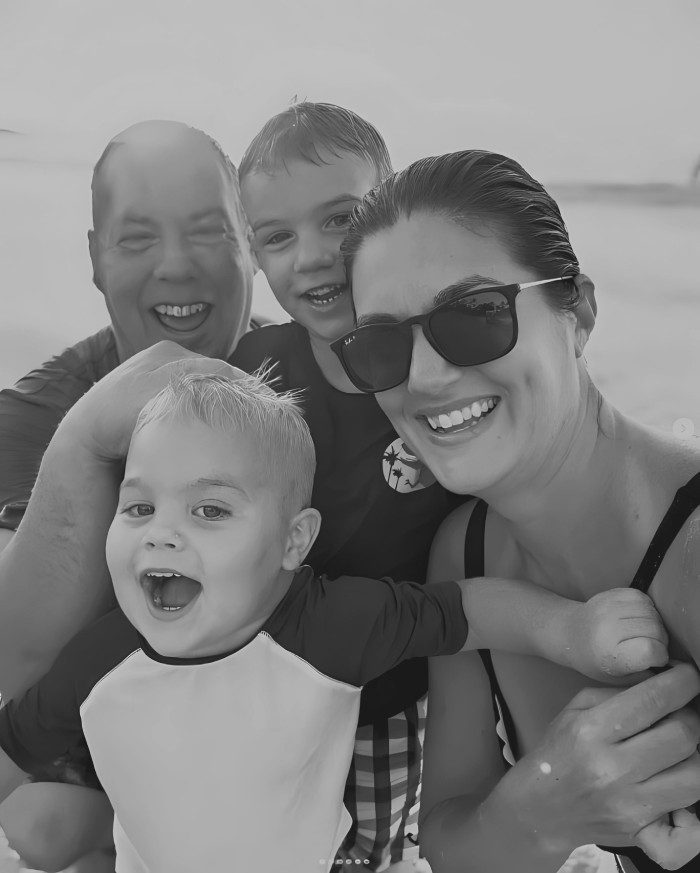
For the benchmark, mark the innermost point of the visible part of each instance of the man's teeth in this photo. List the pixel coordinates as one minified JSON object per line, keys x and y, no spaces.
{"x":180,"y":311}
{"x":457,"y":417}
{"x":325,"y":294}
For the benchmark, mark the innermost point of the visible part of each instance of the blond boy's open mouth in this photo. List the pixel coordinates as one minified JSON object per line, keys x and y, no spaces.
{"x":169,"y":595}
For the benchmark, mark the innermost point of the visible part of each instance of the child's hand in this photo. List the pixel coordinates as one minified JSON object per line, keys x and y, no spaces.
{"x":671,"y":844}
{"x":617,"y":633}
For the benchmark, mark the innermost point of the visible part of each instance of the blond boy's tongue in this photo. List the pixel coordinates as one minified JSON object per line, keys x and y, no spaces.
{"x":176,"y":592}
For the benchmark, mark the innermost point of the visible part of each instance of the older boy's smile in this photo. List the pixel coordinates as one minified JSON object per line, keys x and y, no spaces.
{"x":325,"y":295}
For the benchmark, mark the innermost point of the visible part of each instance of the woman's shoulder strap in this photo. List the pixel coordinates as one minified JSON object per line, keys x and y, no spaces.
{"x":474,"y":541}
{"x":687,"y":499}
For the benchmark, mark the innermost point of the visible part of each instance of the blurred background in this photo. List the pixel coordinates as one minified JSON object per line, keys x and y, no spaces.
{"x":598,"y":100}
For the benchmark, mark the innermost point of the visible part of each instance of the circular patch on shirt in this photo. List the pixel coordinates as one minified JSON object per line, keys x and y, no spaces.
{"x":403,"y":471}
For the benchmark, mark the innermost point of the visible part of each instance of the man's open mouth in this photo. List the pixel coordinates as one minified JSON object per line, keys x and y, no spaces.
{"x":182,"y":318}
{"x":169,"y":592}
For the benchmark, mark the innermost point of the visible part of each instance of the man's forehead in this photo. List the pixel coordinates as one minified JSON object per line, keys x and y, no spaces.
{"x":167,"y":170}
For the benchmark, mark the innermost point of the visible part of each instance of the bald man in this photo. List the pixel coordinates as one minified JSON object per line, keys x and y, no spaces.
{"x":170,"y":254}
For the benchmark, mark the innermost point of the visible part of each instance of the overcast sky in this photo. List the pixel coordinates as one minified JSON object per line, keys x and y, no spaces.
{"x":594,"y":90}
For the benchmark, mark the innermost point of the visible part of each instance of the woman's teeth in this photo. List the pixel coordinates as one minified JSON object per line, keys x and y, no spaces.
{"x":455,"y":418}
{"x":325,"y":294}
{"x":179,"y":311}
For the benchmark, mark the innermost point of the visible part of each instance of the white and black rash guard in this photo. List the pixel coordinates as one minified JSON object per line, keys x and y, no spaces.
{"x":235,"y":762}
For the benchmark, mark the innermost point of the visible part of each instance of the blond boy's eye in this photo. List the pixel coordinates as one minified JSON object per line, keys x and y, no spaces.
{"x":139,"y":510}
{"x":211,"y":512}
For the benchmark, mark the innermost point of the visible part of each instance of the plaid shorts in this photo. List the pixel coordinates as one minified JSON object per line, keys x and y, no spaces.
{"x":382,"y":793}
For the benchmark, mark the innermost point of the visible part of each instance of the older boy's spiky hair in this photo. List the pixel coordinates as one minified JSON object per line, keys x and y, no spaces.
{"x":305,"y":130}
{"x":246,"y":405}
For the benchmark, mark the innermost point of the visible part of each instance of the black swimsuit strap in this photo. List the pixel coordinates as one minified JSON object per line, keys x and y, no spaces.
{"x":687,"y":499}
{"x":473,"y":567}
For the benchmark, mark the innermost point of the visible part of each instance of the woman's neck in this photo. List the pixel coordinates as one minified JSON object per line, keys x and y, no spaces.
{"x":580,"y":515}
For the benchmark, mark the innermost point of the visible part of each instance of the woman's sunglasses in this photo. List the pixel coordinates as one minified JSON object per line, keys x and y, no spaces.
{"x":474,"y":328}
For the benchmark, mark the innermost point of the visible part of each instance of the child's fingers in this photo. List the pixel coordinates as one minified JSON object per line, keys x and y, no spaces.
{"x":638,"y":654}
{"x":671,"y":845}
{"x":649,"y":625}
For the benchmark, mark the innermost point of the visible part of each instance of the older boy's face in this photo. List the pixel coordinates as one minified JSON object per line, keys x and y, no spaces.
{"x":196,"y":546}
{"x":300,"y":215}
{"x":169,"y":250}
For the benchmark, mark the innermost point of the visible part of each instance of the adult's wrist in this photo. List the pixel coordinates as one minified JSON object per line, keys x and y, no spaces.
{"x":514,"y":806}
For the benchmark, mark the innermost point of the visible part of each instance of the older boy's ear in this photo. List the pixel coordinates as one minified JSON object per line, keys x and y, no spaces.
{"x":303,"y":530}
{"x":94,"y":248}
{"x":251,"y":248}
{"x":585,"y":311}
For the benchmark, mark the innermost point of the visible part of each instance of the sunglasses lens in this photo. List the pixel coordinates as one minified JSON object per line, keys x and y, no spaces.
{"x":475,"y":330}
{"x":377,"y":357}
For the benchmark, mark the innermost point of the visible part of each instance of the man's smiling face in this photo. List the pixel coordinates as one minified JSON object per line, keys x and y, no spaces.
{"x":169,"y":249}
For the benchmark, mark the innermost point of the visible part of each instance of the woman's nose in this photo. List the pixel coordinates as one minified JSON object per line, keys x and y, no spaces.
{"x":314,"y":254}
{"x":429,"y":372}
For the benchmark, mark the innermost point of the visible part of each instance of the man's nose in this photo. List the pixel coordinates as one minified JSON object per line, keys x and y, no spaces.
{"x":175,"y":264}
{"x":313,"y":253}
{"x":430,"y":373}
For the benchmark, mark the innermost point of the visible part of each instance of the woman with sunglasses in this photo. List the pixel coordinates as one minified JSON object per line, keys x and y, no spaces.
{"x":472,"y":321}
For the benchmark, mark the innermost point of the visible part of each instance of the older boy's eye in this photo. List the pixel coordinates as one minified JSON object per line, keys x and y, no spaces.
{"x":210,"y":512}
{"x":340,"y":221}
{"x":276,"y":239}
{"x":138,"y":510}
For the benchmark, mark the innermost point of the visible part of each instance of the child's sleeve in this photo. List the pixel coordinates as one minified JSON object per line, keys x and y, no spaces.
{"x":355,"y":629}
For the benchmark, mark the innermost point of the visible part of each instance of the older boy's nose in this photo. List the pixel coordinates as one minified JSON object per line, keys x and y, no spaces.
{"x":313,"y":255}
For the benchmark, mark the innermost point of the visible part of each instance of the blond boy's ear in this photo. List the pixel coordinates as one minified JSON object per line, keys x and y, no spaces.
{"x":303,"y":530}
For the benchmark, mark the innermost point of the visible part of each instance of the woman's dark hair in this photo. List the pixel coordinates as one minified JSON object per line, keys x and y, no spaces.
{"x":476,"y":188}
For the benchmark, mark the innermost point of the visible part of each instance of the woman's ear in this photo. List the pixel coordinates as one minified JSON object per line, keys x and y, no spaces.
{"x":303,"y":530}
{"x":585,"y":312}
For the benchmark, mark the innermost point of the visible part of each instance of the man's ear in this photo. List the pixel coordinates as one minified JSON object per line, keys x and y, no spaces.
{"x":303,"y":530}
{"x":585,"y":312}
{"x":94,"y":247}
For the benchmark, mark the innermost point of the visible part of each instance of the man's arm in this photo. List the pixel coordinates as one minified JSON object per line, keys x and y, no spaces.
{"x":53,"y":575}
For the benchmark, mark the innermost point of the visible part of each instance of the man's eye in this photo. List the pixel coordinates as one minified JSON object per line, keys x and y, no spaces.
{"x":138,"y":510}
{"x":210,"y":512}
{"x":137,"y":242}
{"x":340,"y":221}
{"x":278,"y":238}
{"x":208,"y":235}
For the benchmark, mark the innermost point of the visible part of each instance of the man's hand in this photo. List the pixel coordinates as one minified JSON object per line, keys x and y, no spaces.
{"x":617,"y":633}
{"x":104,"y":418}
{"x":611,"y":766}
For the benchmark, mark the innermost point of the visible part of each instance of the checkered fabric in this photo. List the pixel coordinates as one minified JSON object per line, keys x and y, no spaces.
{"x":382,"y":793}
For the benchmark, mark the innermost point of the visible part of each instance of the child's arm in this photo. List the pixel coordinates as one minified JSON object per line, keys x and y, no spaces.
{"x":613,"y":634}
{"x":11,"y":776}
